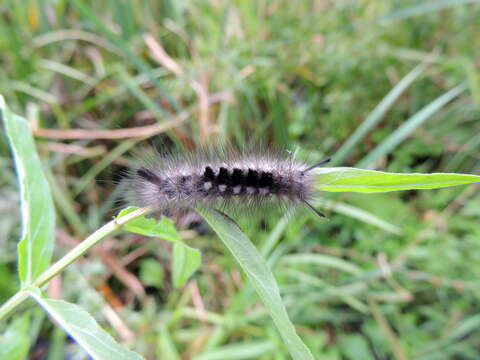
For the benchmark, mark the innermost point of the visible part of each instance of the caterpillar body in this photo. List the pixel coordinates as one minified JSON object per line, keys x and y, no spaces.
{"x":244,"y":181}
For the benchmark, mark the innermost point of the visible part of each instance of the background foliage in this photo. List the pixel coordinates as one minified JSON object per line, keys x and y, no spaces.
{"x":304,"y":75}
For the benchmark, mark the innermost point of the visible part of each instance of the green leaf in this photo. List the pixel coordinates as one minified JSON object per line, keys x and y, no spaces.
{"x":369,"y":181}
{"x":38,"y":213}
{"x":165,"y":346}
{"x":422,"y":8}
{"x":360,"y":214}
{"x":261,"y":276}
{"x":129,"y":54}
{"x":355,"y":347}
{"x":15,"y":340}
{"x":82,"y":327}
{"x":469,"y":325}
{"x":241,"y":351}
{"x":377,"y":114}
{"x":186,"y":261}
{"x":151,"y":273}
{"x":324,"y":261}
{"x":404,"y":130}
{"x":164,"y":229}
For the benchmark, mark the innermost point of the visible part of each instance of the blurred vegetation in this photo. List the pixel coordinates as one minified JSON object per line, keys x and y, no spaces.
{"x":300,"y":74}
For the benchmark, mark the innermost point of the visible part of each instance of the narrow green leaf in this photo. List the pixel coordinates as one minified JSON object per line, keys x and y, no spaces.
{"x":322,"y":260}
{"x":82,"y":327}
{"x":129,"y":55}
{"x":409,"y":126}
{"x":243,"y":351}
{"x":151,"y":272}
{"x":163,"y":229}
{"x":58,"y":342}
{"x":15,"y":340}
{"x":422,"y":8}
{"x":469,"y":325}
{"x":88,"y":178}
{"x":137,"y":91}
{"x":377,"y":114}
{"x":359,"y":214}
{"x":38,"y":213}
{"x":369,"y":181}
{"x":165,"y":346}
{"x":186,"y":261}
{"x":261,"y":276}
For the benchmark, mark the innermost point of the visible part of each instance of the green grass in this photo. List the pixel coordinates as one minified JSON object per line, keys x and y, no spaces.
{"x":386,"y":276}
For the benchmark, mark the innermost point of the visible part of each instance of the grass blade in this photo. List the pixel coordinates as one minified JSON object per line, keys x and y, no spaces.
{"x":165,"y":346}
{"x":360,"y":214}
{"x":142,"y":66}
{"x":324,"y":261}
{"x":377,"y":114}
{"x":243,"y":351}
{"x":341,"y":179}
{"x":261,"y":276}
{"x":410,"y":125}
{"x":425,"y":7}
{"x":38,"y":213}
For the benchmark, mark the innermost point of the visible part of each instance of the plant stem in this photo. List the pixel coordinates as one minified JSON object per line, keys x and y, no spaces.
{"x":13,"y":302}
{"x":71,"y":256}
{"x":86,"y":245}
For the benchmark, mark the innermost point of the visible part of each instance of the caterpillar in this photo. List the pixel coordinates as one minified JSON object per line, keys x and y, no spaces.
{"x":221,"y":178}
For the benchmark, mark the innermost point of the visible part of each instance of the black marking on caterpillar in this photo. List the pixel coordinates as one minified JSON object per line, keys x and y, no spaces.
{"x":222,"y":179}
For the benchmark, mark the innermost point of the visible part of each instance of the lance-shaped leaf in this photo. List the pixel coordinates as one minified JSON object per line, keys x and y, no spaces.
{"x":37,"y":210}
{"x":82,"y":327}
{"x":338,"y":179}
{"x":261,"y":276}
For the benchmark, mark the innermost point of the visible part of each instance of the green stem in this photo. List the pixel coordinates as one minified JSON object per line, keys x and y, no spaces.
{"x":70,"y":257}
{"x":86,"y":245}
{"x":13,"y":302}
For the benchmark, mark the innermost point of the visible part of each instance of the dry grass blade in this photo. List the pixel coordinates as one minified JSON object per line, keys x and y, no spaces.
{"x":135,"y":132}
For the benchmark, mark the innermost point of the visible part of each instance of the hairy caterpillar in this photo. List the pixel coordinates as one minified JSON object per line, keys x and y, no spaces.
{"x":243,"y":180}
